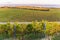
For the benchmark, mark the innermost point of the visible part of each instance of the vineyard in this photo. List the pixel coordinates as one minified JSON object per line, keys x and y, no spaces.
{"x":26,"y":15}
{"x":34,"y":31}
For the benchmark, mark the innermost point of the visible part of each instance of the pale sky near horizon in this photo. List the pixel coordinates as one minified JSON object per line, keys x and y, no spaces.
{"x":30,"y":2}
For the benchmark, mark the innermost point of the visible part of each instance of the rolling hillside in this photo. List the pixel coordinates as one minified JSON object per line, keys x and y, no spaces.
{"x":24,"y":15}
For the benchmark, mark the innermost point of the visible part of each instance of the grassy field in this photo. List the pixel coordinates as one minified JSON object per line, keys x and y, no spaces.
{"x":23,"y":15}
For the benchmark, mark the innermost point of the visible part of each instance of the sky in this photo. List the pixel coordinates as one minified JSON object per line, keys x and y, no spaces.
{"x":57,"y":2}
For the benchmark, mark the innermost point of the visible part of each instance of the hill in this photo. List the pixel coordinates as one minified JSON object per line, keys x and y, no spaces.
{"x":23,"y":15}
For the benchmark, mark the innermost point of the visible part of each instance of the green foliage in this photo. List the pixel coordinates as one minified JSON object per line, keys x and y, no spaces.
{"x":57,"y":37}
{"x":33,"y":30}
{"x":29,"y":28}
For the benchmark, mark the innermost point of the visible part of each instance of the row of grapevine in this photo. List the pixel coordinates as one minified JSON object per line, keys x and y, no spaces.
{"x":29,"y":31}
